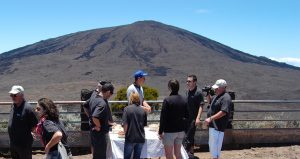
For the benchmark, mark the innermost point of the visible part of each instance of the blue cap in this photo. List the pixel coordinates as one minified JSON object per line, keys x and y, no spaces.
{"x":139,"y":74}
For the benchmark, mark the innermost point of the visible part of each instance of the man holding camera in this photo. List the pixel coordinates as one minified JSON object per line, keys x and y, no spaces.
{"x":217,"y":116}
{"x":195,"y":107}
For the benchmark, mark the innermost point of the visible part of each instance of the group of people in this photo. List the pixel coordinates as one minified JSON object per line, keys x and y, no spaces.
{"x":179,"y":118}
{"x":23,"y":125}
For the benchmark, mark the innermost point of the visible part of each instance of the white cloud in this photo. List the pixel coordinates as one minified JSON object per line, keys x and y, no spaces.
{"x":201,"y":11}
{"x":289,"y":60}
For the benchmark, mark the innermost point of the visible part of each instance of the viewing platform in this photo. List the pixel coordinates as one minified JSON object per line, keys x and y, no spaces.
{"x":254,"y":122}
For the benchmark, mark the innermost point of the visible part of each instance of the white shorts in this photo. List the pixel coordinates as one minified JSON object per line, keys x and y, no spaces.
{"x":215,"y":142}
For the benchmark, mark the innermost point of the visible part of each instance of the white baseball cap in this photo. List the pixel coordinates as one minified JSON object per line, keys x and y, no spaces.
{"x":16,"y":89}
{"x":219,"y":83}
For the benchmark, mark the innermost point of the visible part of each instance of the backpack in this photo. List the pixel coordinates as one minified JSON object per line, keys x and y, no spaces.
{"x":231,"y":111}
{"x":85,"y":94}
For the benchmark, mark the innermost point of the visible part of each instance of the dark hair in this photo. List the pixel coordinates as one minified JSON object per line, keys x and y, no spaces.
{"x":50,"y":109}
{"x":103,"y":82}
{"x":173,"y":86}
{"x":193,"y":76}
{"x":108,"y":87}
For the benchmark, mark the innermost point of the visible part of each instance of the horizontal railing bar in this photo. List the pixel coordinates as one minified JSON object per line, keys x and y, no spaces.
{"x":160,"y":101}
{"x":262,"y":111}
{"x":237,"y":111}
{"x":5,"y":122}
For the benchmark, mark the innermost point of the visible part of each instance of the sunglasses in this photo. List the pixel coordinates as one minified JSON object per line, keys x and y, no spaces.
{"x":13,"y":95}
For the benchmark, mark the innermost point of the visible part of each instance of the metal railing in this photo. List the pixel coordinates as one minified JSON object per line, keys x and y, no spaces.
{"x":233,"y":136}
{"x":62,"y":103}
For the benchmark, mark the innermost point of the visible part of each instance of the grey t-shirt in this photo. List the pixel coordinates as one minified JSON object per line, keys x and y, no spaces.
{"x":136,"y":118}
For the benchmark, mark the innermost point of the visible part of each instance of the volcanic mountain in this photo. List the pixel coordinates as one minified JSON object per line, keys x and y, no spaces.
{"x":60,"y":67}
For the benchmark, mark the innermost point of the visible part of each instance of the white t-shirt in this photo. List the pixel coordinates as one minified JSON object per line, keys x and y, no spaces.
{"x":139,"y":90}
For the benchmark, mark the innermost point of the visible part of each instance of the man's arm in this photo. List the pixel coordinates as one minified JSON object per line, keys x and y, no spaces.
{"x":97,"y":124}
{"x":199,"y":115}
{"x":219,"y":115}
{"x":125,"y":128}
{"x":146,"y":107}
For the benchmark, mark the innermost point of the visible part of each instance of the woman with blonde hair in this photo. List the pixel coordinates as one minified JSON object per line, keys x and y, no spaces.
{"x":134,"y":119}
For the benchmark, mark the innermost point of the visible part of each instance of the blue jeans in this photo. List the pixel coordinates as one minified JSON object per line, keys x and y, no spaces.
{"x":136,"y":148}
{"x":53,"y":155}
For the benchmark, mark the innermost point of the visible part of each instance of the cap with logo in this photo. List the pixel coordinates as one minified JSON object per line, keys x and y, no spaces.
{"x":140,"y":74}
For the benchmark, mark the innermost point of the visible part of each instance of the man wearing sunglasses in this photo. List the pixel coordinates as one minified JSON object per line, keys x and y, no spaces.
{"x":100,"y":120}
{"x":21,"y":123}
{"x":195,"y":107}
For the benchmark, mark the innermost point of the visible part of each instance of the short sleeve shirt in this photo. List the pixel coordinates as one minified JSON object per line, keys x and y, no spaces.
{"x":195,"y":99}
{"x":136,"y":118}
{"x":49,"y":129}
{"x":100,"y":110}
{"x":220,"y":103}
{"x":137,"y":89}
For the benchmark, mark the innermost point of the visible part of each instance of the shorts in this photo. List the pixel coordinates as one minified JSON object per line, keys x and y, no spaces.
{"x":169,"y":139}
{"x":215,"y":142}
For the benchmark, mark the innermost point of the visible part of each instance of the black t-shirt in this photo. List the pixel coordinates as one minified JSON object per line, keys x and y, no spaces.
{"x":50,"y":128}
{"x":195,"y":99}
{"x":99,"y":109}
{"x":220,"y":103}
{"x":174,"y":114}
{"x":20,"y":124}
{"x":136,"y":118}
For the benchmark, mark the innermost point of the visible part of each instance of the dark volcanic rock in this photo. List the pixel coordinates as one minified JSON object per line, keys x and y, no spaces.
{"x":60,"y":67}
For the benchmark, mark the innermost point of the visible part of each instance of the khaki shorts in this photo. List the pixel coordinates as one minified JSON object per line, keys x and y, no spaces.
{"x":171,"y":139}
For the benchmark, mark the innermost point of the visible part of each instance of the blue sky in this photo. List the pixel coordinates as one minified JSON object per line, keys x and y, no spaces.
{"x":269,"y":28}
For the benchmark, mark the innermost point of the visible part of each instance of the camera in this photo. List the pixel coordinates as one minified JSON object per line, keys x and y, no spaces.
{"x":208,"y":90}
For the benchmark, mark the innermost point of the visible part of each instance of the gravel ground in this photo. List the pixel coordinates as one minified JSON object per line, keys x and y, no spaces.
{"x":287,"y":152}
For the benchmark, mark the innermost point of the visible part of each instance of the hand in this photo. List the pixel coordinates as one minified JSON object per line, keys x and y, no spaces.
{"x":113,"y":124}
{"x":96,"y":128}
{"x":147,"y":109}
{"x":160,"y":136}
{"x":197,"y":122}
{"x":47,"y":148}
{"x":34,"y":135}
{"x":208,"y":120}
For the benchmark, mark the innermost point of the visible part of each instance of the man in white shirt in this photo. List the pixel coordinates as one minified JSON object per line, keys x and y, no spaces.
{"x":139,"y":77}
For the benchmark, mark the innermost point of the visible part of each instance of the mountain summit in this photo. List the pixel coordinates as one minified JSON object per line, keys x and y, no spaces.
{"x":60,"y":67}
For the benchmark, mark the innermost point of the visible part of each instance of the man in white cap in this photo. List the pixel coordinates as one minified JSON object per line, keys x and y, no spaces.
{"x":139,"y":80}
{"x":217,"y":117}
{"x":22,"y":121}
